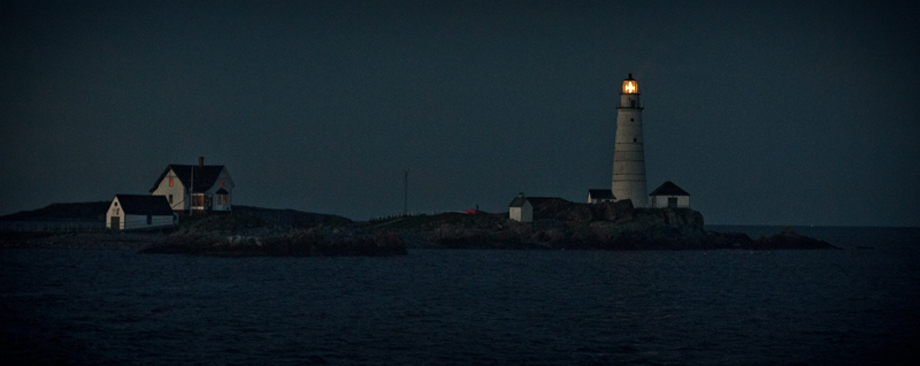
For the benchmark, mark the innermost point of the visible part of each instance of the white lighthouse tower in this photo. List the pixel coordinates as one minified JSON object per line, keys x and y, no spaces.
{"x":628,"y":153}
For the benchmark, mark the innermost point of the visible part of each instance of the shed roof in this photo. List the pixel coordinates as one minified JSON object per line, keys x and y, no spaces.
{"x":518,"y":201}
{"x":144,"y":204}
{"x":669,"y":189}
{"x":205,"y":176}
{"x":601,"y":194}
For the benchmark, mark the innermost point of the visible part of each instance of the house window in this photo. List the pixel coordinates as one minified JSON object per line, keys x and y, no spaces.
{"x":672,"y":201}
{"x":221,"y":183}
{"x":170,"y":199}
{"x":170,"y":181}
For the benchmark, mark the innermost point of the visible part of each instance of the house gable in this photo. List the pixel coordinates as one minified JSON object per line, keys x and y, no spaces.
{"x":170,"y":186}
{"x":212,"y":187}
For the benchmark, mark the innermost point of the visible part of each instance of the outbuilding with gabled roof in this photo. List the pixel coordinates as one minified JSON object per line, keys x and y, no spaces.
{"x":600,"y":196}
{"x":669,"y":194}
{"x":134,"y":211}
{"x":520,"y":209}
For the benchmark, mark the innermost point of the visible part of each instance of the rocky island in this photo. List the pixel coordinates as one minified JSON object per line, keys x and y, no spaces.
{"x":558,"y":225}
{"x":561,"y":224}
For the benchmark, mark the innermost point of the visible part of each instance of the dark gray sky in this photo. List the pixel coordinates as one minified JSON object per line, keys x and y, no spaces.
{"x":768,"y":113}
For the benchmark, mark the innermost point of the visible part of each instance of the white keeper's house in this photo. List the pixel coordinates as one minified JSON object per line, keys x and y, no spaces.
{"x":198,"y":188}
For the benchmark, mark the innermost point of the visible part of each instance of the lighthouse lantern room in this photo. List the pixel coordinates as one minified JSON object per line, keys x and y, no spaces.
{"x":630,"y":86}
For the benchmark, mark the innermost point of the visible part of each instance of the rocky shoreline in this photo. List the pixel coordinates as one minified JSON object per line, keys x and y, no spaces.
{"x":558,"y":225}
{"x":79,"y":240}
{"x":265,"y":232}
{"x":318,"y":241}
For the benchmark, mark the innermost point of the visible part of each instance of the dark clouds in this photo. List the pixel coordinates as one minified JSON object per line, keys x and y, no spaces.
{"x":774,"y":113}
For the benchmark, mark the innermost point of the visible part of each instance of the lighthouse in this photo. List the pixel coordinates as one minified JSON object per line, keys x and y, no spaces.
{"x":628,"y":153}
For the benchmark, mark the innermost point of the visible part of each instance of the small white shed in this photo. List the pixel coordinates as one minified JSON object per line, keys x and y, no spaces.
{"x":600,"y":196}
{"x":132,"y":211}
{"x":520,"y":209}
{"x":669,"y":195}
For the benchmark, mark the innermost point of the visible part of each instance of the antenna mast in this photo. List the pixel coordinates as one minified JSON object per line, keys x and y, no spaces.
{"x":406,"y":192}
{"x":191,"y":191}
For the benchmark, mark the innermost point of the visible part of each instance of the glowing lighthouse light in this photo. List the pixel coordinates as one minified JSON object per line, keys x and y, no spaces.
{"x":630,"y":86}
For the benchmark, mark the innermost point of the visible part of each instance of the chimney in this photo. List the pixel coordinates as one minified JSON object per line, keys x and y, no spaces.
{"x":201,"y":161}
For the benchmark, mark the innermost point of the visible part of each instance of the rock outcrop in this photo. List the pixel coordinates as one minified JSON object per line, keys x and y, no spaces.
{"x":789,"y":239}
{"x":265,"y":232}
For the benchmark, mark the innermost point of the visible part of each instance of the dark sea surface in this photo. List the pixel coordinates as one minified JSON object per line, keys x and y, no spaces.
{"x":472,"y":307}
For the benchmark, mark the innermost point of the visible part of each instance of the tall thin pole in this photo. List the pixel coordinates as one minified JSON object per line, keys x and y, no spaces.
{"x":406,"y":192}
{"x":191,"y":192}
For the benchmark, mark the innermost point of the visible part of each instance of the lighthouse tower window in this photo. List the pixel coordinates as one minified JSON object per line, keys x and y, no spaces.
{"x":632,"y":103}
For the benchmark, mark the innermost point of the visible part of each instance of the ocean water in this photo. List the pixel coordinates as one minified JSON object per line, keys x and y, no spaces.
{"x":472,"y":307}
